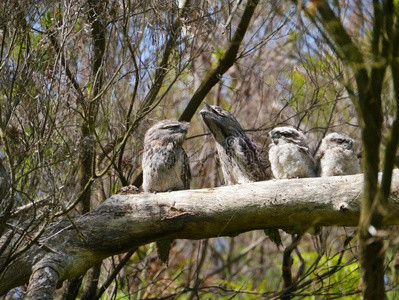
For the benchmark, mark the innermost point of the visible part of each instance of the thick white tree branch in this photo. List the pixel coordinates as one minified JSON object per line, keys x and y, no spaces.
{"x":125,"y":222}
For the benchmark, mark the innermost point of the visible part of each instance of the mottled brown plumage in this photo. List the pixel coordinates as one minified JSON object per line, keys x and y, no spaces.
{"x":165,"y":165}
{"x":238,"y":156}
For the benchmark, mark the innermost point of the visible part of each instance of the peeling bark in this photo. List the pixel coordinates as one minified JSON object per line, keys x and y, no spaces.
{"x":44,"y":278}
{"x":125,"y":222}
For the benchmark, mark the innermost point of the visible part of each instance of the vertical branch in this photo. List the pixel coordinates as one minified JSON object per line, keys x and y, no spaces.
{"x":369,"y":108}
{"x":287,"y":267}
{"x":392,"y":49}
{"x":98,"y":30}
{"x":95,"y":16}
{"x":198,"y":280}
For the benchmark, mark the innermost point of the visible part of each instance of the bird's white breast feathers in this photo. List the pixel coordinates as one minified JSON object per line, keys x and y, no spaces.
{"x":337,"y":161}
{"x":290,"y":161}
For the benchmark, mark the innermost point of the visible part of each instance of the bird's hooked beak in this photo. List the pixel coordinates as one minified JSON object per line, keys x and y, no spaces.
{"x":207,"y":109}
{"x":348,"y":144}
{"x":184,"y":127}
{"x":210,"y":116}
{"x":213,"y":121}
{"x":184,"y":130}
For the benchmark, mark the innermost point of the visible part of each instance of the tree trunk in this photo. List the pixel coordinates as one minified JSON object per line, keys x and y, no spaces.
{"x":371,"y":252}
{"x":125,"y":222}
